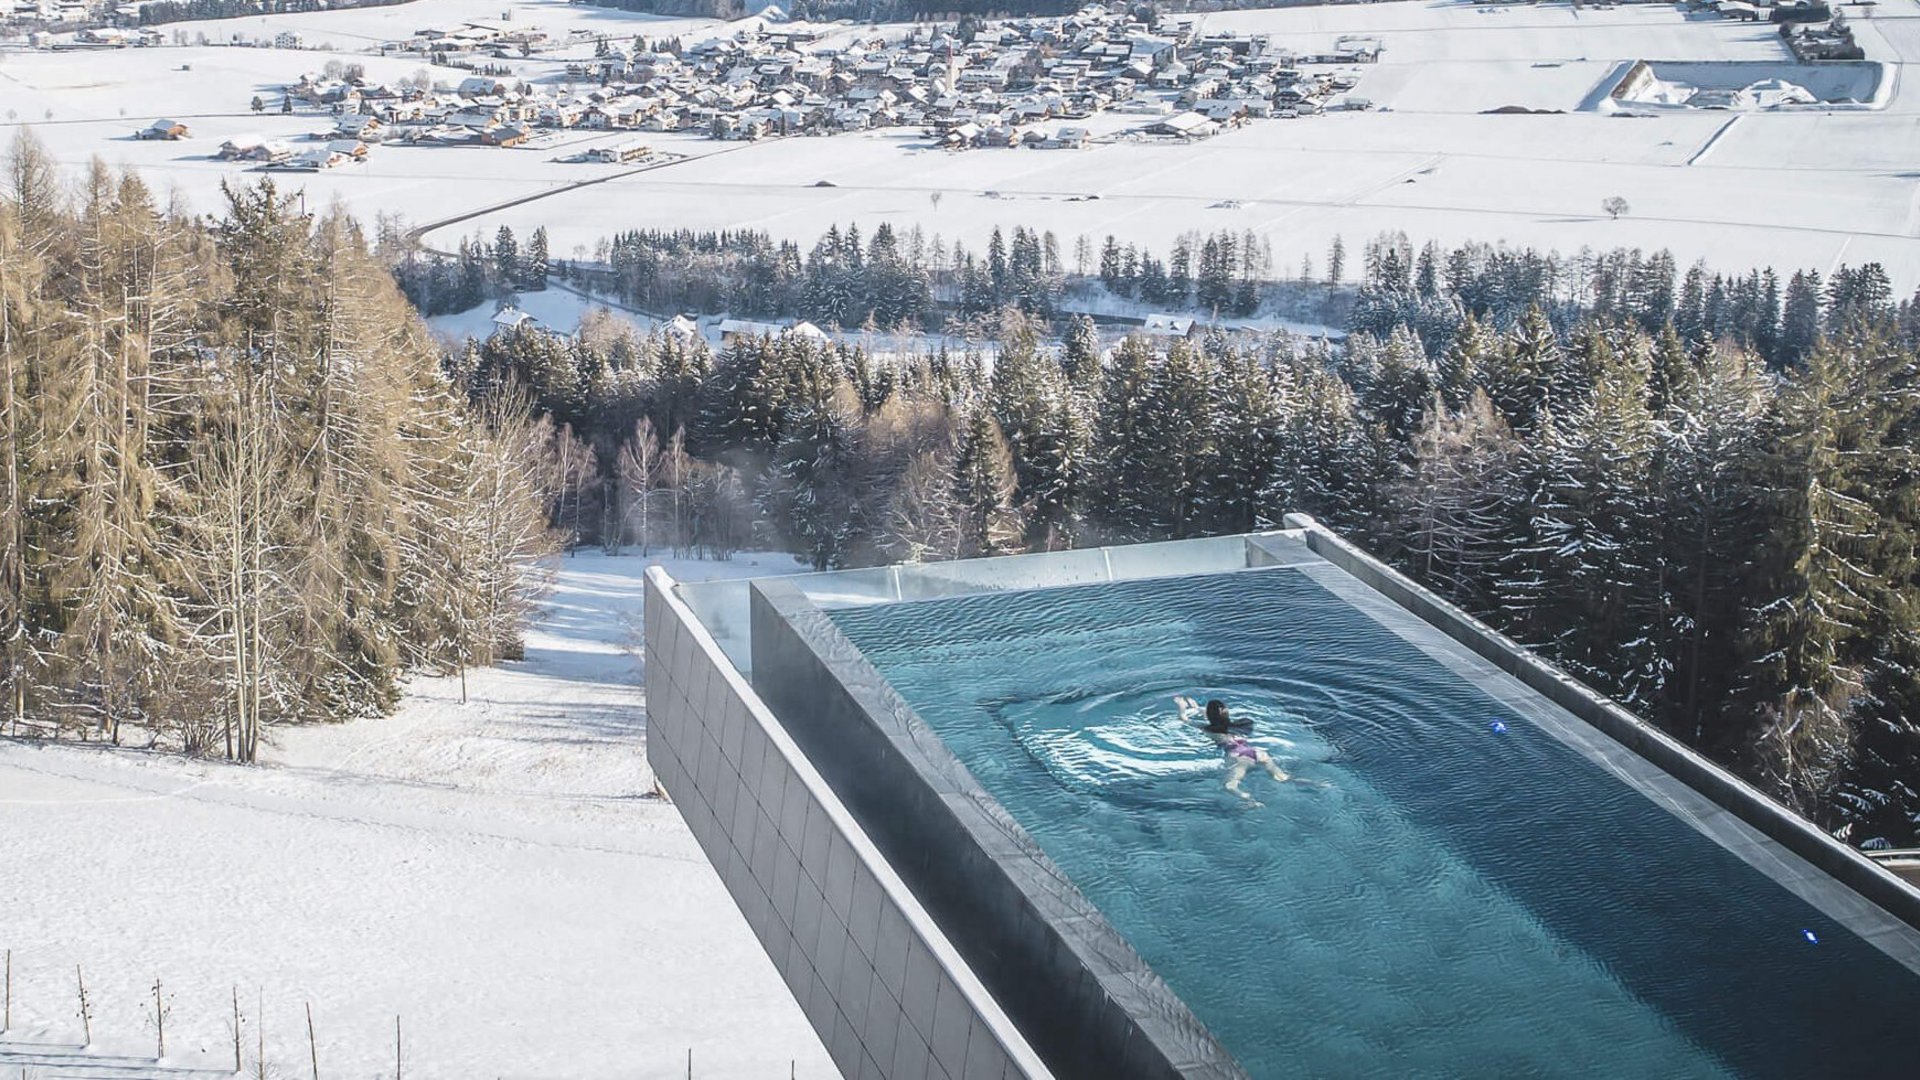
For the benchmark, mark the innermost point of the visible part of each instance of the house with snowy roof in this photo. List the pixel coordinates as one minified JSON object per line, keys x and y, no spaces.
{"x":1186,"y":125}
{"x":1171,"y":326}
{"x":511,"y":318}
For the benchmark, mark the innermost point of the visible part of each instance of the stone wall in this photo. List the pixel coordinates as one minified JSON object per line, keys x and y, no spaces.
{"x":878,"y":979}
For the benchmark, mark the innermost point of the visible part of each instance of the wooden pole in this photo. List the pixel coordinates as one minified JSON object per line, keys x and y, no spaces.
{"x":86,"y":1021}
{"x":260,"y":1033}
{"x":313,"y":1048}
{"x":396,"y":1047}
{"x":7,"y":1024}
{"x":160,"y":1017}
{"x":236,"y":1030}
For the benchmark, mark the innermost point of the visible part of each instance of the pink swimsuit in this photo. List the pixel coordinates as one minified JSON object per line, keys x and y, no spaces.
{"x":1242,"y":748}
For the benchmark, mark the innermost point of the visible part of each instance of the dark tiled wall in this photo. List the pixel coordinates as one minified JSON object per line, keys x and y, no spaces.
{"x":1085,"y":1001}
{"x":879,"y":995}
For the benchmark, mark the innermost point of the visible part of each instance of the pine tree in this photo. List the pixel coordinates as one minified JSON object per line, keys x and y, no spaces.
{"x":1175,"y":441}
{"x":21,"y":309}
{"x":1402,"y":386}
{"x":1520,"y":375}
{"x":1426,"y":274}
{"x":533,"y":268}
{"x":1080,"y":353}
{"x":997,"y":267}
{"x":1526,"y":594}
{"x":1813,"y":588}
{"x":1673,"y":370}
{"x":1118,"y":499}
{"x":1799,"y":320}
{"x":1213,"y":285}
{"x":1030,"y":401}
{"x":983,"y":490}
{"x":1710,"y":436}
{"x":808,"y":495}
{"x":1461,"y":370}
{"x":1180,"y":271}
{"x":506,"y":258}
{"x":1329,"y":464}
{"x":119,"y":619}
{"x":1690,"y":315}
{"x":1453,"y":509}
{"x":1243,"y":417}
{"x":1858,"y":294}
{"x":1110,"y":265}
{"x":742,"y":405}
{"x":1603,"y":532}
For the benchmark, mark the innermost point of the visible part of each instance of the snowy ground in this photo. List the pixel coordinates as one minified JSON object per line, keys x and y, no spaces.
{"x":1815,"y":187}
{"x":1811,"y":188}
{"x":555,"y":309}
{"x":495,"y":873}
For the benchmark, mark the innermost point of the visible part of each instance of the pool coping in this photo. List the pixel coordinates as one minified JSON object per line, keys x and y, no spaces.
{"x":1776,"y":822}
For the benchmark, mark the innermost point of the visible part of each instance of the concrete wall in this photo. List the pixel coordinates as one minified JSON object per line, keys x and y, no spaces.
{"x":1784,"y":827}
{"x":1088,"y":1003}
{"x":887,"y":991}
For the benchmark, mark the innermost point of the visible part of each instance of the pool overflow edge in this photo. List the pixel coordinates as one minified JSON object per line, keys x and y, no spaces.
{"x":1783,"y":826}
{"x":1082,"y":996}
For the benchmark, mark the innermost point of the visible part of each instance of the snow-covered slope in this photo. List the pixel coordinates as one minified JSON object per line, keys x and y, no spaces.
{"x":495,"y":873}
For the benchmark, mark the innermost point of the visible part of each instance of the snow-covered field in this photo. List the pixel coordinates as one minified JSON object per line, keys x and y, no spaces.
{"x":494,"y":873}
{"x":555,"y":309}
{"x":1810,"y":188}
{"x":1813,"y":187}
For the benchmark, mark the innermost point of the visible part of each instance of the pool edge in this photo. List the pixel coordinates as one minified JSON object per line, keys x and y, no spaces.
{"x":1776,"y":822}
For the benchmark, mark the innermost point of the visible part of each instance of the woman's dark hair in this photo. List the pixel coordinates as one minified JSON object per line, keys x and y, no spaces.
{"x":1217,"y":715}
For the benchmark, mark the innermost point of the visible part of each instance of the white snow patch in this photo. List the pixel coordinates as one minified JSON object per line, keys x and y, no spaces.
{"x":491,"y":872}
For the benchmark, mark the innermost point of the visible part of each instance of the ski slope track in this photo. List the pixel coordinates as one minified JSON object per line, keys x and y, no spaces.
{"x":498,"y":874}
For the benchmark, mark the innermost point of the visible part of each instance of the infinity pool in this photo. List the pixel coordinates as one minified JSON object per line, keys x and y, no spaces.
{"x":1466,"y":895}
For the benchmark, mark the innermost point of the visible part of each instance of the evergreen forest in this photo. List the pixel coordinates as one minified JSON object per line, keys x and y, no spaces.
{"x":1693,"y":491}
{"x":237,"y":487}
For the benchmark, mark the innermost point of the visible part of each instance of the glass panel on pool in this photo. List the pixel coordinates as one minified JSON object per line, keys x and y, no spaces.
{"x":1466,"y":895}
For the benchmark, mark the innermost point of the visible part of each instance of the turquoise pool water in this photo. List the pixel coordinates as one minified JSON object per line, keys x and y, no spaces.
{"x":1467,"y":896}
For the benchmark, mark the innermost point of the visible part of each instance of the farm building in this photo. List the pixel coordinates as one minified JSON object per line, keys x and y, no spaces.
{"x":163,"y":129}
{"x":620,"y":154}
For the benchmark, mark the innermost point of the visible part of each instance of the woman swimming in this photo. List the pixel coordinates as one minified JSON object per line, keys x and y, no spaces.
{"x":1242,"y":755}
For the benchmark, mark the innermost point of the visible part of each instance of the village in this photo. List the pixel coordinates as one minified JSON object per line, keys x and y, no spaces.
{"x":1044,"y":83}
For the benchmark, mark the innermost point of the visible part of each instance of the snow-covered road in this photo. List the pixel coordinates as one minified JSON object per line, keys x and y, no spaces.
{"x":494,"y":873}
